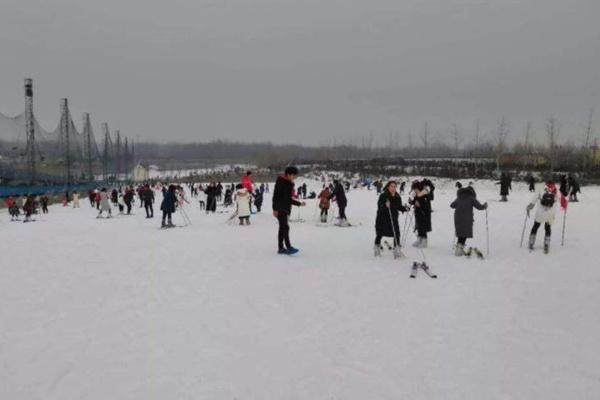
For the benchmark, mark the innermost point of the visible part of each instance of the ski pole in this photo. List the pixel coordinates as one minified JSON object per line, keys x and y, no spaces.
{"x":562,"y":242}
{"x":396,"y":242}
{"x":524,"y":226}
{"x":487,"y":233}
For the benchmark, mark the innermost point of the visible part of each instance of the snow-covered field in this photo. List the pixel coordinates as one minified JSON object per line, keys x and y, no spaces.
{"x":118,"y":309}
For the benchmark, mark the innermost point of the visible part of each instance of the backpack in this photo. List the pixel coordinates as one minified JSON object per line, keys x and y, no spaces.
{"x":548,"y":199}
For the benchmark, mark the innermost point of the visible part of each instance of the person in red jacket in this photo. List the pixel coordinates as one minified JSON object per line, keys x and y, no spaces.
{"x":247,"y":184}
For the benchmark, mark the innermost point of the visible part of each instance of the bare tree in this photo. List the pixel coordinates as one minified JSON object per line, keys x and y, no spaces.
{"x":456,"y":138}
{"x":588,"y":138}
{"x":528,"y":133}
{"x":425,"y":136}
{"x":552,"y":131}
{"x":502,"y":131}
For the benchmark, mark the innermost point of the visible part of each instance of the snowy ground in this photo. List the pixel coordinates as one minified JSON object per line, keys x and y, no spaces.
{"x":118,"y":309}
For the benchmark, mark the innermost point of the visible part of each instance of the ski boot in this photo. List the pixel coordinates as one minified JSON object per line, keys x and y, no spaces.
{"x":546,"y":244}
{"x":531,"y":241}
{"x":468,"y":252}
{"x":377,"y":250}
{"x":421,"y":243}
{"x":459,"y":251}
{"x":397,"y":252}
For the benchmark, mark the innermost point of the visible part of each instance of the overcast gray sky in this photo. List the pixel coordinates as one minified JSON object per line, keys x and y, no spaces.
{"x":302,"y":71}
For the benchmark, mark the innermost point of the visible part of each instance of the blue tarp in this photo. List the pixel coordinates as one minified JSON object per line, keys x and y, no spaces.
{"x":6,"y":191}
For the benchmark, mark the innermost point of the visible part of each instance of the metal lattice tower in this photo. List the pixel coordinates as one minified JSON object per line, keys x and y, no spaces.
{"x":118,"y":154}
{"x":30,"y":129}
{"x":106,"y":150}
{"x":88,"y":152}
{"x":65,"y":128}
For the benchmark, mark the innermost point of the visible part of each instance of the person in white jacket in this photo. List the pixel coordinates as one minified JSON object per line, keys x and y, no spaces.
{"x":75,"y":199}
{"x":243,"y":204}
{"x":547,"y":202}
{"x":104,"y":204}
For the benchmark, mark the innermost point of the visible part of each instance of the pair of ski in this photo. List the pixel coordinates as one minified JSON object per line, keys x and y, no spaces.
{"x":474,"y":250}
{"x":421,"y":265}
{"x":391,"y":248}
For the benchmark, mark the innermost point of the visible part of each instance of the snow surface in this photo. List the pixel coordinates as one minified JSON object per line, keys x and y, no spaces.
{"x":118,"y":309}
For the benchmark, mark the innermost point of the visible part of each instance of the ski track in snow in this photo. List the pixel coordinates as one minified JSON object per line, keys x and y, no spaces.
{"x":117,"y":308}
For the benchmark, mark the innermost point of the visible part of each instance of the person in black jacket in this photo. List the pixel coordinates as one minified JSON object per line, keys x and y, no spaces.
{"x":342,"y":202}
{"x":258,"y":200}
{"x":282,"y":207}
{"x":422,"y":209}
{"x":147,"y":195}
{"x":505,"y":186}
{"x":389,"y":205}
{"x":168,"y":206}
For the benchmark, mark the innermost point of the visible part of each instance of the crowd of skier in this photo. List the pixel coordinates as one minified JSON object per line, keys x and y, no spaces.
{"x":246,"y":199}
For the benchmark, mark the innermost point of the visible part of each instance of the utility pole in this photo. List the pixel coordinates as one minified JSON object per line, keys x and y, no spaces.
{"x":30,"y":129}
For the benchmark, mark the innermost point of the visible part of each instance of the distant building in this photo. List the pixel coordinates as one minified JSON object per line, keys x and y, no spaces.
{"x":141,"y":173}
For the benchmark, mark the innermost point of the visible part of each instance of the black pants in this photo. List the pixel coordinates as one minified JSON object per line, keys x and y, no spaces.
{"x":149,"y":209}
{"x":284,"y":231}
{"x":342,"y":210}
{"x":379,"y":237}
{"x":462,"y":240}
{"x":324,"y":212}
{"x":547,"y":228}
{"x":128,"y":207}
{"x":166,"y":215}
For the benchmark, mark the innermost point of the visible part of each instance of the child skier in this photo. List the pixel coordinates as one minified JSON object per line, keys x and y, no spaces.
{"x":242,"y":201}
{"x":44,"y":201}
{"x":324,"y":203}
{"x":13,"y":208}
{"x":104,"y":204}
{"x":547,"y":203}
{"x":389,"y":205}
{"x":75,"y":199}
{"x":258,"y":200}
{"x":422,"y":209}
{"x":282,"y":207}
{"x":463,"y":217}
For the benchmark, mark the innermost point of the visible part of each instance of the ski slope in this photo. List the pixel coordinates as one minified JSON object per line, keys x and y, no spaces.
{"x":119,"y":309}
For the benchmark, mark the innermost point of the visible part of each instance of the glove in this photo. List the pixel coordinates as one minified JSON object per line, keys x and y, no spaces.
{"x":529,"y":208}
{"x":485,"y":205}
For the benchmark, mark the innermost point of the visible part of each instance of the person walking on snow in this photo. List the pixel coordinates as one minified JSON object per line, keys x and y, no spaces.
{"x":389,"y":205}
{"x":258,"y":200}
{"x":147,"y":196}
{"x":505,"y":186}
{"x":324,"y":203}
{"x":282,"y":207}
{"x":243,"y":204}
{"x":463,"y":217}
{"x":547,"y":203}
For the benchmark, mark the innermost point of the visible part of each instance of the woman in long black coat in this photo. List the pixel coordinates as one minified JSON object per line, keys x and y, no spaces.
{"x":168,"y":206}
{"x":389,"y":206}
{"x":463,"y":216}
{"x":422,"y":209}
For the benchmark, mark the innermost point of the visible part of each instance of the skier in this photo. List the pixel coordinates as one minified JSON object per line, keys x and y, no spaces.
{"x":389,"y":205}
{"x":128,"y":199}
{"x":243,"y":204}
{"x":147,"y":196}
{"x":75,"y":199}
{"x":13,"y":208}
{"x":92,"y":197}
{"x":304,"y":190}
{"x":324,"y":203}
{"x":339,"y":195}
{"x":531,"y":182}
{"x":463,"y":217}
{"x":258,"y":200}
{"x":282,"y":207}
{"x":564,"y":185}
{"x":28,"y":208}
{"x":574,"y":188}
{"x":44,"y":201}
{"x":422,"y":208}
{"x":505,"y":186}
{"x":104,"y":204}
{"x":168,"y":207}
{"x":211,"y":197}
{"x":547,"y":203}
